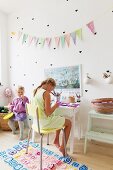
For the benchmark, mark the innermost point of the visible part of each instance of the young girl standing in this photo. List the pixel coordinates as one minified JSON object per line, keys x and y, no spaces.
{"x":18,"y":108}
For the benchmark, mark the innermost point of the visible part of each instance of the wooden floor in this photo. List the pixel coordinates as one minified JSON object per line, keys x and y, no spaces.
{"x":99,"y":156}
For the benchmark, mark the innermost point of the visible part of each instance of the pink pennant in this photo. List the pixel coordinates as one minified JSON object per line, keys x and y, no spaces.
{"x":30,"y":39}
{"x":48,"y":41}
{"x":91,"y":27}
{"x":57,"y":41}
{"x":34,"y":39}
{"x":67,"y":39}
{"x":19,"y":34}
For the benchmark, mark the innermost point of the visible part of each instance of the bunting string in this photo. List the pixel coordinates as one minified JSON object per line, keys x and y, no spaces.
{"x":63,"y":39}
{"x":59,"y":40}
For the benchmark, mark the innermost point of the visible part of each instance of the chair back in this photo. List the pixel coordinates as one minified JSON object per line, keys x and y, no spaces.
{"x":32,"y":111}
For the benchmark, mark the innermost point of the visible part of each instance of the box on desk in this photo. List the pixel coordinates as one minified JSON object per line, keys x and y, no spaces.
{"x":4,"y":123}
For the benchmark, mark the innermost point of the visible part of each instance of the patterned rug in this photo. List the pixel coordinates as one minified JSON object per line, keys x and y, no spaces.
{"x":19,"y":160}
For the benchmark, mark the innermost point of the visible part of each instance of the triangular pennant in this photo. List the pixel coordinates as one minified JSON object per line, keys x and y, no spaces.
{"x":62,"y":40}
{"x":79,"y":33}
{"x":67,"y":39}
{"x":57,"y":41}
{"x":42,"y":41}
{"x":91,"y":26}
{"x":19,"y":34}
{"x":48,"y":41}
{"x":30,"y":39}
{"x":34,"y":39}
{"x":13,"y":33}
{"x":73,"y":35}
{"x":36,"y":42}
{"x":24,"y":38}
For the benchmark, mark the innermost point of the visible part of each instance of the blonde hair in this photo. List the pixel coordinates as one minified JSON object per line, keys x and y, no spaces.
{"x":20,"y":88}
{"x":47,"y":81}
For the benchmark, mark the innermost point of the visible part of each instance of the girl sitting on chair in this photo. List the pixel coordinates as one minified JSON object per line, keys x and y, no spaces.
{"x":48,"y":120}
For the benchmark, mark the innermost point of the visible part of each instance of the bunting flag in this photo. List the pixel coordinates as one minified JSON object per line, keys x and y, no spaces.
{"x":57,"y":41}
{"x":36,"y":41}
{"x":19,"y":34}
{"x":30,"y":39}
{"x":62,"y":38}
{"x":42,"y":41}
{"x":91,"y":26}
{"x":67,"y":39}
{"x":79,"y":33}
{"x":48,"y":41}
{"x":73,"y":35}
{"x":13,"y":33}
{"x":25,"y":36}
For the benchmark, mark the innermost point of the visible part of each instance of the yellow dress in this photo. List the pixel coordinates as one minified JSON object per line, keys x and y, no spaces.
{"x":46,"y":122}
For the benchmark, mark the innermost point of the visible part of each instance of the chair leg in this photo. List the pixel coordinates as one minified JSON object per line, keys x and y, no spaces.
{"x":41,"y":144}
{"x":85,"y":145}
{"x":29,"y":133}
{"x":64,"y":142}
{"x":33,"y":135}
{"x":48,"y":139}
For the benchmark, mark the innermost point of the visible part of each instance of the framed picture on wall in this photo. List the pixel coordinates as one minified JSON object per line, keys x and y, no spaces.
{"x":67,"y":78}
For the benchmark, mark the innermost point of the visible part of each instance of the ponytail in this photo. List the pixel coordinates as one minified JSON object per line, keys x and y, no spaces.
{"x":35,"y":90}
{"x":47,"y":81}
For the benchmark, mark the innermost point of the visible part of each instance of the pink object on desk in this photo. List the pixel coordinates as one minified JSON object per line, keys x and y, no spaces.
{"x":73,"y":104}
{"x":69,"y":104}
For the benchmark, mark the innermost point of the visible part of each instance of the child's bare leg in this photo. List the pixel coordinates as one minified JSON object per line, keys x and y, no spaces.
{"x":21,"y":127}
{"x":56,"y":140}
{"x":11,"y":124}
{"x":67,"y":130}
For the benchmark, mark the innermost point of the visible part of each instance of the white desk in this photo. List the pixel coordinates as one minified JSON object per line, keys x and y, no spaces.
{"x":99,"y":134}
{"x":72,"y":114}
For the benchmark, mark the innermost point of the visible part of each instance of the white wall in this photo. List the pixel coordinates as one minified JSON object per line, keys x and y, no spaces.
{"x":97,"y":50}
{"x":4,"y":59}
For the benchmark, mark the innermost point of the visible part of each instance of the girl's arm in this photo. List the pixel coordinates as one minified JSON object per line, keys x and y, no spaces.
{"x":47,"y":103}
{"x":11,"y":106}
{"x":25,"y":100}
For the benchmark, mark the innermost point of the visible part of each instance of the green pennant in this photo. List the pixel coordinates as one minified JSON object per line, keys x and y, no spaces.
{"x":62,"y":40}
{"x":25,"y":36}
{"x":42,"y":41}
{"x":79,"y":33}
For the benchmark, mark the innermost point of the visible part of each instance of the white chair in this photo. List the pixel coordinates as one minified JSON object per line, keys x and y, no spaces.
{"x":32,"y":111}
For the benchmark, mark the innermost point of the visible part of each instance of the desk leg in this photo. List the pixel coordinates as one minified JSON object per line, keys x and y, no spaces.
{"x":72,"y":135}
{"x":79,"y":128}
{"x":79,"y":132}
